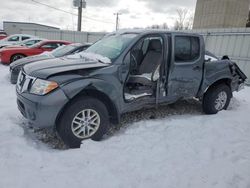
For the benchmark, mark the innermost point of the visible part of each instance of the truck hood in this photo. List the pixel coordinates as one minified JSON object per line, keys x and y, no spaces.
{"x":46,"y":68}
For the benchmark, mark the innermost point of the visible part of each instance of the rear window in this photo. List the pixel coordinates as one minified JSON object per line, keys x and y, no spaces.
{"x":186,"y":48}
{"x":25,"y":37}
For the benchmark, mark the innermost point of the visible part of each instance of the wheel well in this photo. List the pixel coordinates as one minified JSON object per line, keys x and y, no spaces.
{"x":226,"y":81}
{"x":17,"y":54}
{"x":114,"y":115}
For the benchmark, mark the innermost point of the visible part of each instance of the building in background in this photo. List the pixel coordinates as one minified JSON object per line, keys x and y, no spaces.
{"x":221,"y":14}
{"x":17,"y":27}
{"x":248,"y":21}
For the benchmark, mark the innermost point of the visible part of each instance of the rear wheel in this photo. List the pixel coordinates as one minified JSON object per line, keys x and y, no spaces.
{"x":16,"y":57}
{"x":83,"y":119}
{"x":216,"y":99}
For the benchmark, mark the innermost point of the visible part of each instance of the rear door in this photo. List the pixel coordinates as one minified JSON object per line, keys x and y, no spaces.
{"x":186,"y":66}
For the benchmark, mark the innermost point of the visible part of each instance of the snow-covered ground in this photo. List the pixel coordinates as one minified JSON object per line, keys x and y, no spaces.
{"x":178,"y":151}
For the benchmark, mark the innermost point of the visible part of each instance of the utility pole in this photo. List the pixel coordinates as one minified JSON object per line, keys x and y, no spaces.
{"x":79,"y":4}
{"x":79,"y":25}
{"x":117,"y":20}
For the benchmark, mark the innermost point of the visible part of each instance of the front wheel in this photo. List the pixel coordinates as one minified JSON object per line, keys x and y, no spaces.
{"x":85,"y":118}
{"x":16,"y":57}
{"x":216,"y":99}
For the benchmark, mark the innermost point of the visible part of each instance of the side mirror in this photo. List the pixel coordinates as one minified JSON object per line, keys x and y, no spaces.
{"x":225,"y":57}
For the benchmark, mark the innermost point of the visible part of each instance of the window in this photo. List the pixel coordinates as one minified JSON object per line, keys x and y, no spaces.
{"x":62,"y":50}
{"x":15,"y":38}
{"x":142,"y":47}
{"x":25,"y":38}
{"x":186,"y":48}
{"x":80,"y":49}
{"x":31,"y":42}
{"x":50,"y":45}
{"x":112,"y":45}
{"x":146,"y":55}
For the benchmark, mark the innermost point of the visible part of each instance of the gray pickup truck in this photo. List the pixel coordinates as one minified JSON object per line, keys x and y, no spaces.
{"x":83,"y":94}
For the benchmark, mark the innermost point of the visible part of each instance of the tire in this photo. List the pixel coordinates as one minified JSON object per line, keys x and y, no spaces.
{"x":69,"y":122}
{"x":217,"y":98}
{"x":16,"y":57}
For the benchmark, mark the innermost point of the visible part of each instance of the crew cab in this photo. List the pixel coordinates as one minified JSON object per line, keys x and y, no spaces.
{"x":9,"y":55}
{"x":83,"y":94}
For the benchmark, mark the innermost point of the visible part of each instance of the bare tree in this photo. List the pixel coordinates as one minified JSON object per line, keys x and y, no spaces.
{"x":184,"y":19}
{"x":165,"y":26}
{"x":189,"y":22}
{"x":156,"y":26}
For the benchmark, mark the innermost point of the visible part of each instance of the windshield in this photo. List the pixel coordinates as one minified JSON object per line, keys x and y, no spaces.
{"x":62,"y":50}
{"x":30,"y":42}
{"x":111,"y":46}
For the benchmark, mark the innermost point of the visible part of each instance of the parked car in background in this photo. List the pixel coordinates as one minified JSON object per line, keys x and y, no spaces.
{"x":3,"y":35}
{"x":16,"y":66}
{"x":28,"y":42}
{"x":83,"y":94}
{"x":14,"y":39}
{"x":10,"y":55}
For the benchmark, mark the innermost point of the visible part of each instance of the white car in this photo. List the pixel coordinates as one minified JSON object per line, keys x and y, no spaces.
{"x":14,"y":39}
{"x":28,"y":42}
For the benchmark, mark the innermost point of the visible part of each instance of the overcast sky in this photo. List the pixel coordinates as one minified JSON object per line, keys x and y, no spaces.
{"x":135,"y":13}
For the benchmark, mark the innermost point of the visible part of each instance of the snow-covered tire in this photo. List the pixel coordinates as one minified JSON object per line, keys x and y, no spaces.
{"x":217,"y":98}
{"x":84,"y":118}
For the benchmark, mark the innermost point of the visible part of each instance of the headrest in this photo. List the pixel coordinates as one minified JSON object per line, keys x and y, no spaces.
{"x":155,"y":45}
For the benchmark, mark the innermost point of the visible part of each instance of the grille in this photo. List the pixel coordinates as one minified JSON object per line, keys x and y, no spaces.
{"x":23,"y":82}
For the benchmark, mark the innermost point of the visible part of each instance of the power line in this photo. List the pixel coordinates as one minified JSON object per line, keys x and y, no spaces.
{"x":58,"y":9}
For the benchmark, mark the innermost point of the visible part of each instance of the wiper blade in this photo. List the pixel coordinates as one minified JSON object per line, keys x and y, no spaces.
{"x":101,"y":61}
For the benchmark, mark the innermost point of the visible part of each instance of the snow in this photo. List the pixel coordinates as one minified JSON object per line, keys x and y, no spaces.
{"x":92,"y":56}
{"x":46,"y":53}
{"x":178,"y":151}
{"x":129,"y":96}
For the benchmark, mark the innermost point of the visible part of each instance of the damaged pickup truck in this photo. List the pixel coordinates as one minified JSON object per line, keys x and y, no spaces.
{"x":83,"y":94}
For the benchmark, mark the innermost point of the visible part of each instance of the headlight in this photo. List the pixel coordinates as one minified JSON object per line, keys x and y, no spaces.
{"x":42,"y":87}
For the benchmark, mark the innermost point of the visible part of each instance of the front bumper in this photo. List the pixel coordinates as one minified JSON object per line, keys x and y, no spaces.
{"x":41,"y":111}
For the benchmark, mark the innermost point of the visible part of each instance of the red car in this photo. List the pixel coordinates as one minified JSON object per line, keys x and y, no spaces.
{"x":2,"y":35}
{"x":8,"y":55}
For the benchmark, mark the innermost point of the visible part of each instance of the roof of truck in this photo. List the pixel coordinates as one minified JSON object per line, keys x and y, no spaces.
{"x":149,"y":31}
